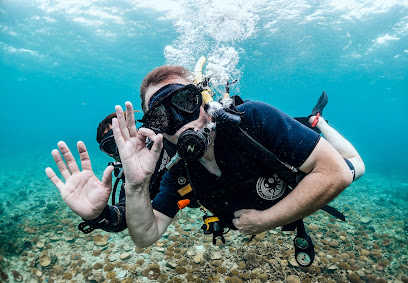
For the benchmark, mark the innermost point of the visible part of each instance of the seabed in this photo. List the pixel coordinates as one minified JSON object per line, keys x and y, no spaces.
{"x":40,"y":242}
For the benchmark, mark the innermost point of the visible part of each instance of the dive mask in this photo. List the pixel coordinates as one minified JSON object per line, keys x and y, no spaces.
{"x":108,"y":144}
{"x":171,"y":107}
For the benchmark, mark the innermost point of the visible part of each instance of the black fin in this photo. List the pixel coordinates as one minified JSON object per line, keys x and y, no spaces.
{"x":321,"y":103}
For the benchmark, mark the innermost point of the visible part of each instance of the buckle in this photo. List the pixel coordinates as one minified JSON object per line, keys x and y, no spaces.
{"x":86,"y":227}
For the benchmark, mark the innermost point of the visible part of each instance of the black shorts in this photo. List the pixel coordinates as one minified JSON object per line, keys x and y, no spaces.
{"x":351,"y":166}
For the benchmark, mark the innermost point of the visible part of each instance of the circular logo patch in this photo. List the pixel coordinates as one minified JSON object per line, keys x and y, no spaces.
{"x":181,"y":181}
{"x":270,"y":188}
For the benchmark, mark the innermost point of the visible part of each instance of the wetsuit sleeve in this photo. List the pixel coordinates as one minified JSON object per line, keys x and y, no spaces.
{"x":167,"y":198}
{"x":113,"y":217}
{"x":284,"y":136}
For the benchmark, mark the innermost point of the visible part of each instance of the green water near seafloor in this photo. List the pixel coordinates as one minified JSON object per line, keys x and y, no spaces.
{"x":371,"y":244}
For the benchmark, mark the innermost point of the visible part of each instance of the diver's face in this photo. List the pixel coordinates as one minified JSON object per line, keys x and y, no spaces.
{"x":116,"y":157}
{"x":197,"y":124}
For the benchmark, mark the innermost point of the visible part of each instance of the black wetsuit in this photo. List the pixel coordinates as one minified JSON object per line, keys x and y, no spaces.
{"x":244,"y":182}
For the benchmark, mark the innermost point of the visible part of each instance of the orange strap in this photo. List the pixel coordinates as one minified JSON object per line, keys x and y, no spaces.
{"x":316,"y":120}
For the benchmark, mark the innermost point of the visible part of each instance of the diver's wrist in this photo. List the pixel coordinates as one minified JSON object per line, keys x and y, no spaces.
{"x":97,"y":215}
{"x":267,"y":220}
{"x":137,"y":189}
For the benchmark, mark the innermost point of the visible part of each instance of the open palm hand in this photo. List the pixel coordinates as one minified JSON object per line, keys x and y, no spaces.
{"x":82,"y":191}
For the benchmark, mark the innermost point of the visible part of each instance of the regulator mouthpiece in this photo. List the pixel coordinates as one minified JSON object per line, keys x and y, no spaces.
{"x":192,"y":145}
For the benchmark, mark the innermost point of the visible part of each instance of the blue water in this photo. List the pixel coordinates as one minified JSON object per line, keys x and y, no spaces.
{"x":60,"y":76}
{"x":65,"y":65}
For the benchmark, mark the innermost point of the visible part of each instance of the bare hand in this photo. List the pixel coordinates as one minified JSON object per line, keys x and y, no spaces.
{"x":82,"y":191}
{"x":138,"y":161}
{"x":248,"y":222}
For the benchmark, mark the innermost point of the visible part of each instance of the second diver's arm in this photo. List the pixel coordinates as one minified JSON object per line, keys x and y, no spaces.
{"x":113,"y":217}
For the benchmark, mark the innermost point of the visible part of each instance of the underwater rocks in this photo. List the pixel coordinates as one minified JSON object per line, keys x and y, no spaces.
{"x":124,"y":256}
{"x":27,"y":245}
{"x":40,"y":244}
{"x":292,"y":261}
{"x":268,"y":258}
{"x":152,"y":272}
{"x":292,"y":279}
{"x":51,"y":249}
{"x":100,"y":240}
{"x":196,"y":253}
{"x":17,"y":276}
{"x":217,"y":254}
{"x":365,"y":219}
{"x":4,"y":276}
{"x":44,"y":260}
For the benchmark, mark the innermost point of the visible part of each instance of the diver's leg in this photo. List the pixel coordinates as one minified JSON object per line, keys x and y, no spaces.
{"x":343,"y":146}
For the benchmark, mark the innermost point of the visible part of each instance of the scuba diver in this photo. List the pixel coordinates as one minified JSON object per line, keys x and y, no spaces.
{"x":251,"y":166}
{"x":113,"y":217}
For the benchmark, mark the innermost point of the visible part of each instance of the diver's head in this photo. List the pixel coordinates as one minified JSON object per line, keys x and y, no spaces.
{"x":108,"y":145}
{"x":105,"y":138}
{"x":158,"y":76}
{"x":104,"y":127}
{"x":172,"y":103}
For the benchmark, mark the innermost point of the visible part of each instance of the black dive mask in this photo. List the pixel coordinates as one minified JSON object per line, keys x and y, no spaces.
{"x":192,"y":144}
{"x":171,"y":107}
{"x":108,"y":144}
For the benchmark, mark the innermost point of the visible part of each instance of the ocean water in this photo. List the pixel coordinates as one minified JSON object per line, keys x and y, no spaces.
{"x":66,"y":64}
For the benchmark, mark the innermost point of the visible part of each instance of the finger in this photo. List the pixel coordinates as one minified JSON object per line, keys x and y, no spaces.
{"x":146,"y":132}
{"x":69,"y":158}
{"x":238,"y":213}
{"x":157,"y":145}
{"x":62,"y":167}
{"x":130,"y":119}
{"x":107,"y":177}
{"x":54,"y":178}
{"x":117,"y":134}
{"x":84,"y":156}
{"x":122,"y":122}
